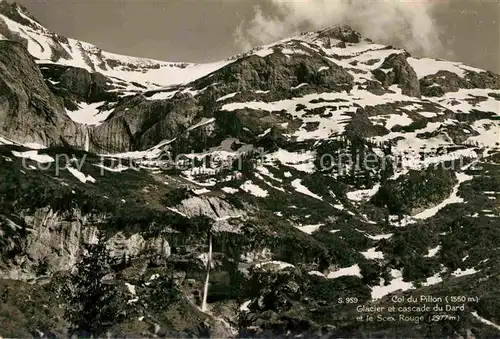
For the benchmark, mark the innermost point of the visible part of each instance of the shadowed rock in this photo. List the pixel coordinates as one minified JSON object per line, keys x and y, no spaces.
{"x":29,"y":111}
{"x":395,"y":70}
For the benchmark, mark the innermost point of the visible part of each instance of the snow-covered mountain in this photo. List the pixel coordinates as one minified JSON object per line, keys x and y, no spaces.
{"x":333,"y":173}
{"x":368,"y":71}
{"x":49,"y":47}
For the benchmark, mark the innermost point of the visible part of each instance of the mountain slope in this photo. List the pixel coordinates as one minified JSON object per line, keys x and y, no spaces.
{"x":30,"y":111}
{"x":48,"y":47}
{"x":334,"y":174}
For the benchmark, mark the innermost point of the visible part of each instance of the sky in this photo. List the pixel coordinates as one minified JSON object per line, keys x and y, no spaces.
{"x":210,"y":30}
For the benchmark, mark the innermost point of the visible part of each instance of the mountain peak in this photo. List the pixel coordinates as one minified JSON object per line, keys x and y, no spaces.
{"x":18,"y":13}
{"x":343,"y":33}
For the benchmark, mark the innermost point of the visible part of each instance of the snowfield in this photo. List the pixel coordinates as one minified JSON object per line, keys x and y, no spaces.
{"x":89,"y":114}
{"x":353,"y":270}
{"x":426,"y":66}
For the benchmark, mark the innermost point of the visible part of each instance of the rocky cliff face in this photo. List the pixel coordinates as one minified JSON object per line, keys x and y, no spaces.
{"x":78,"y":84}
{"x":51,"y":243}
{"x":30,"y":112}
{"x":48,"y":242}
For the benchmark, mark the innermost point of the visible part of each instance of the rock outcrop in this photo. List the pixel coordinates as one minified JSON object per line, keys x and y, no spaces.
{"x":395,"y":70}
{"x":278,"y":72}
{"x":343,"y":33}
{"x":436,"y":85}
{"x":138,"y":123}
{"x":78,"y":84}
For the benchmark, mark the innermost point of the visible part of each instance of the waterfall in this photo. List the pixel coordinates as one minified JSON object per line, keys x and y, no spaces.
{"x":87,"y":138}
{"x":209,"y":263}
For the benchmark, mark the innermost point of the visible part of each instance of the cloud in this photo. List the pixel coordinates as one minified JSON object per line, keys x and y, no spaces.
{"x":408,"y":23}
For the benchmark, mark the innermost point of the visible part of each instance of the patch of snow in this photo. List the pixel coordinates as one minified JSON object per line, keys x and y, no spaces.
{"x":396,"y":284}
{"x":5,"y":141}
{"x":266,"y":132}
{"x":203,"y":122}
{"x":401,"y":221}
{"x":485,"y":321}
{"x":253,"y":189}
{"x":397,"y":119}
{"x":428,"y":114}
{"x":460,"y":273}
{"x":301,"y":161}
{"x":131,"y":288}
{"x":372,"y":253}
{"x":433,"y":280}
{"x":263,"y":51}
{"x":297,"y":184}
{"x":463,"y":97}
{"x":426,"y":66}
{"x":433,"y":251}
{"x":489,"y":132}
{"x":89,"y":114}
{"x":201,"y":191}
{"x":309,"y":229}
{"x":300,"y":85}
{"x":229,"y":190}
{"x":244,"y":306}
{"x":275,"y":187}
{"x":376,"y":237}
{"x":361,"y":195}
{"x":148,"y":72}
{"x":207,"y":183}
{"x":80,"y":176}
{"x":281,"y":265}
{"x":131,"y":301}
{"x":266,"y":172}
{"x":228,"y":96}
{"x":317,"y":273}
{"x":332,"y":125}
{"x":119,"y":168}
{"x":162,"y":96}
{"x":33,"y":155}
{"x":353,"y":270}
